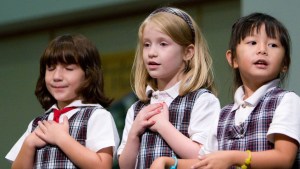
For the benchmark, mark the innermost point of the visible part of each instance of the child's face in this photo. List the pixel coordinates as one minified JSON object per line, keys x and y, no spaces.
{"x":62,"y":81}
{"x":259,"y":58}
{"x":163,"y":58}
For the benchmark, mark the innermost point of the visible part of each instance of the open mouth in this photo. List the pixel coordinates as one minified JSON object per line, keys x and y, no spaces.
{"x":261,"y":62}
{"x":153,"y":63}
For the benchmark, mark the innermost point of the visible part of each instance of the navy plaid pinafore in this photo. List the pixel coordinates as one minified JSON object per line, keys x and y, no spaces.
{"x":51,"y":156}
{"x":152,"y":144}
{"x":251,"y":134}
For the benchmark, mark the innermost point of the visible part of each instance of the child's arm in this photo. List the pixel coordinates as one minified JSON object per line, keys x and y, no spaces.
{"x":182,"y":145}
{"x":127,"y":159}
{"x":167,"y":162}
{"x":282,"y":156}
{"x":25,"y":158}
{"x":205,"y":112}
{"x":58,"y":134}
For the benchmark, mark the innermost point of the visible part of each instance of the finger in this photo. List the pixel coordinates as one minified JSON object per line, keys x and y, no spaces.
{"x":46,"y":123}
{"x":152,"y":107}
{"x":65,"y":120}
{"x":165,"y":106}
{"x":42,"y":127}
{"x":149,"y":123}
{"x":197,"y":165}
{"x":200,"y":163}
{"x":201,"y":157}
{"x":39,"y":133}
{"x":50,"y":122}
{"x":152,"y":113}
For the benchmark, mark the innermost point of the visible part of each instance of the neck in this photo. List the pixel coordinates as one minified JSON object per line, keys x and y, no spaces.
{"x":164,"y":84}
{"x":61,"y":105}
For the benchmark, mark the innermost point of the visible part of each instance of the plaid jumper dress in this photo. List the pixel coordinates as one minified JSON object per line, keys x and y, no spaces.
{"x":152,"y":144}
{"x":51,"y":156}
{"x":251,"y":134}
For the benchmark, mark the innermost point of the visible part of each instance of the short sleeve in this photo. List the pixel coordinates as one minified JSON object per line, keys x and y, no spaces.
{"x":205,"y":111}
{"x":211,"y":144}
{"x":14,"y":151}
{"x":128,"y":124}
{"x":286,"y":119}
{"x":102,"y":131}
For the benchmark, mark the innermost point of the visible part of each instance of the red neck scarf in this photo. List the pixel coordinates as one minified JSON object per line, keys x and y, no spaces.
{"x":57,"y":112}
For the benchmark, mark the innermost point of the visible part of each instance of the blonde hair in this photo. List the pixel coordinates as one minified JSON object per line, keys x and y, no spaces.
{"x":198,"y":71}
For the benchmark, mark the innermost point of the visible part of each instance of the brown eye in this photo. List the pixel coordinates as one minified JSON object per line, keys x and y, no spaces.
{"x":163,"y":44}
{"x":252,"y":43}
{"x":50,"y":68}
{"x":273,"y":45}
{"x":146,"y":44}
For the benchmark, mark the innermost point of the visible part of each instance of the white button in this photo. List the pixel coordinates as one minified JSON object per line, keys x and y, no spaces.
{"x":244,"y":105}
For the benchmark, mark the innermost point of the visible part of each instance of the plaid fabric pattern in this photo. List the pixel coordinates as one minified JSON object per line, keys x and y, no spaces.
{"x":152,"y":144}
{"x":51,"y":156}
{"x":252,"y":134}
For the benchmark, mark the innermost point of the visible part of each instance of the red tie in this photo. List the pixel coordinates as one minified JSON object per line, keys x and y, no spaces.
{"x":57,"y":112}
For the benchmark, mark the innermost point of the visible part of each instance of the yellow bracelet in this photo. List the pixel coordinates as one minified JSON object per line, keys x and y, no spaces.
{"x":247,"y":161}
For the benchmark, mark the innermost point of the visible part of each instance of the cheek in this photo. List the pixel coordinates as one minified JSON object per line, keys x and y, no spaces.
{"x":144,"y":56}
{"x":79,"y":80}
{"x":143,"y":61}
{"x":82,"y":75}
{"x":47,"y":78}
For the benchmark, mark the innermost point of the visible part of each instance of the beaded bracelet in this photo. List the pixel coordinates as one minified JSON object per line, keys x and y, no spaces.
{"x":175,"y":165}
{"x":247,"y":161}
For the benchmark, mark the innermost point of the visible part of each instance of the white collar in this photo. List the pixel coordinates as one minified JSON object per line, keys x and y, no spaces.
{"x":75,"y":103}
{"x":173,"y":91}
{"x":255,"y":97}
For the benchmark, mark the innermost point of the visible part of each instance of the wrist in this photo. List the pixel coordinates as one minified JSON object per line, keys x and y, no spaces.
{"x":174,"y":166}
{"x":240,"y":158}
{"x":133,"y":137}
{"x":30,"y":142}
{"x":164,"y":127}
{"x":62,"y":139}
{"x":247,"y":161}
{"x":134,"y":133}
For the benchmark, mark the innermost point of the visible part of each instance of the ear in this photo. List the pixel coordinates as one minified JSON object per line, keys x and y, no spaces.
{"x":284,"y":69}
{"x":232,"y":62}
{"x":189,"y":52}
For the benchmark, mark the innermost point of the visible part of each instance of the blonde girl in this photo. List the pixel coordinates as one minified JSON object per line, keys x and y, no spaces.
{"x":172,"y":77}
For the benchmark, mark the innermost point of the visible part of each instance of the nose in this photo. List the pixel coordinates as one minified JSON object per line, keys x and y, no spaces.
{"x":152,"y":52}
{"x":57,"y":74}
{"x":262,"y":49}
